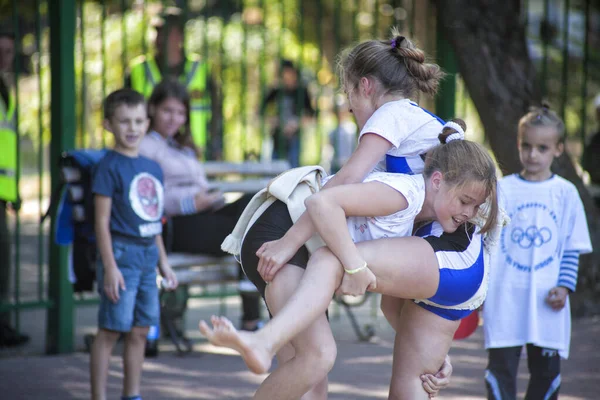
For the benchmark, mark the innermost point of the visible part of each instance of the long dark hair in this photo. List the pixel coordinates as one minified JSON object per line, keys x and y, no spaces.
{"x":171,"y":88}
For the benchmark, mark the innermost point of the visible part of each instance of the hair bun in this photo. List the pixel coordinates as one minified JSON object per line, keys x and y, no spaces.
{"x":396,"y":42}
{"x":453,"y":130}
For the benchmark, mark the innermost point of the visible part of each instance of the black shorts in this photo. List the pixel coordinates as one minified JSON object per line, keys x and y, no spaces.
{"x":271,"y":225}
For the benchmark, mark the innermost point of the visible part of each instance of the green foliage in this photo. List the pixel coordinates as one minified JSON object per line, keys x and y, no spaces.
{"x":243,"y":41}
{"x":243,"y":58}
{"x":101,"y":56}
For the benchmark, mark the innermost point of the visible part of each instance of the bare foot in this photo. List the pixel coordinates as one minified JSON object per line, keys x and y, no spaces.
{"x":223,"y":334}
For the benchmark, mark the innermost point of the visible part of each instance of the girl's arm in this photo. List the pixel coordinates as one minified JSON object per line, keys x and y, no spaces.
{"x":328,"y":211}
{"x":113,"y":279}
{"x":371,"y":149}
{"x":273,"y":255}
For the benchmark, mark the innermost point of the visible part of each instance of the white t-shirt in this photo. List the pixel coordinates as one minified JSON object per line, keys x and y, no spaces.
{"x":411,"y":130}
{"x":547,"y":219}
{"x":398,"y":224}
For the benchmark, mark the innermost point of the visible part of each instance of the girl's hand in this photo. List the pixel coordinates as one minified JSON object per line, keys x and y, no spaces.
{"x":113,"y":281}
{"x":272,"y":256}
{"x":169,"y":276}
{"x":357,"y":284}
{"x":433,"y":383}
{"x":209,"y":200}
{"x":557,"y":297}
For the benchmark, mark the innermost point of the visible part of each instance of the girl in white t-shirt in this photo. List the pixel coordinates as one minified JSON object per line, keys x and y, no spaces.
{"x":458,"y":177}
{"x":535,"y":267}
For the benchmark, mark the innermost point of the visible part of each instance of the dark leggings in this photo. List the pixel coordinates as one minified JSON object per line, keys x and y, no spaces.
{"x":544,"y":370}
{"x":203,"y":233}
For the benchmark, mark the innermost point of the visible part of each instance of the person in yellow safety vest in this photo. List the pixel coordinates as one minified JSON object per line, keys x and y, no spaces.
{"x":146,"y":71}
{"x":8,"y":183}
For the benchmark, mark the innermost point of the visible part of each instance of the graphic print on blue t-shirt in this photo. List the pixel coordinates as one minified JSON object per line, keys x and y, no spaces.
{"x":146,"y":197}
{"x":533,"y":226}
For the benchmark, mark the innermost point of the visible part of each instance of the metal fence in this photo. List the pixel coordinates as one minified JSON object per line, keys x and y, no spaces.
{"x":72,"y":53}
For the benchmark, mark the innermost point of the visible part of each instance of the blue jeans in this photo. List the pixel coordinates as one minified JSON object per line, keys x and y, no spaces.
{"x":138,"y":304}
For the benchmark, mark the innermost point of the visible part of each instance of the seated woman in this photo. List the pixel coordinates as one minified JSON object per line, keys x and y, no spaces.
{"x":199,"y":218}
{"x":458,"y":177}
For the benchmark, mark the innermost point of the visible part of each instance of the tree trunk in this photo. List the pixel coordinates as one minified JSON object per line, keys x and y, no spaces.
{"x":488,"y":37}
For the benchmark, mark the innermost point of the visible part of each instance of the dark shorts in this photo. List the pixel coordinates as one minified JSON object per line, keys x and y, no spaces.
{"x":271,"y":225}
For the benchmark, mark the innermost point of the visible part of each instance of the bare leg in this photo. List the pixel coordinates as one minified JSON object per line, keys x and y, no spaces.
{"x":304,"y":362}
{"x":303,"y":376}
{"x":391,"y":308}
{"x":286,"y":354}
{"x":405,"y":267}
{"x":308,"y":302}
{"x":422,"y":342}
{"x":133,"y":359}
{"x":416,"y":276}
{"x":104,"y":342}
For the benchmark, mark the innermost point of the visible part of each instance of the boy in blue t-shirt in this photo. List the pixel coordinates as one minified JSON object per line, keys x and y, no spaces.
{"x":128,"y":202}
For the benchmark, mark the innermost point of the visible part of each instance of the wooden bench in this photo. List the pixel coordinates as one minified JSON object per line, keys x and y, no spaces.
{"x":203,"y":270}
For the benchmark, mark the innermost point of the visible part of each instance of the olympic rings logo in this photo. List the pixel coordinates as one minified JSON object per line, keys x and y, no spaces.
{"x":532,"y":236}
